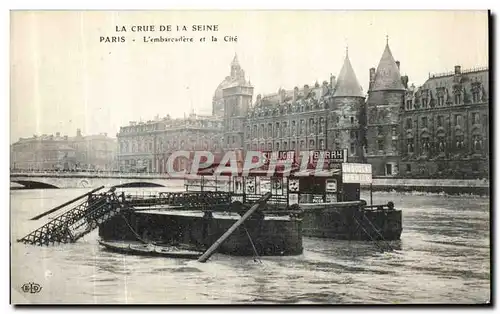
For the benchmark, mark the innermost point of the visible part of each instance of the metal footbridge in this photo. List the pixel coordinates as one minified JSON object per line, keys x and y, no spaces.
{"x":78,"y":221}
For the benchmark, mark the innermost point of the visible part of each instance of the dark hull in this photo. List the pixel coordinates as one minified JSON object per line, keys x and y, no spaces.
{"x":347,"y":221}
{"x":155,"y":250}
{"x":269,"y":237}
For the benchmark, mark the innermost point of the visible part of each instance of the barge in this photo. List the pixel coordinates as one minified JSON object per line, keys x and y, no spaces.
{"x":262,"y":212}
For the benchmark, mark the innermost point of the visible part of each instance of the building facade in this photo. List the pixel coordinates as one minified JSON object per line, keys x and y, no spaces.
{"x":49,"y":152}
{"x":438,"y":129}
{"x":146,"y":146}
{"x":445,"y":126}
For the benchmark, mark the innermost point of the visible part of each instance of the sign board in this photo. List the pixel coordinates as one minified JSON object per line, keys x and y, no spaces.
{"x":331,"y":186}
{"x":356,"y":173}
{"x":250,"y":185}
{"x":278,"y":156}
{"x":331,"y":198}
{"x":237,"y":199}
{"x":293,"y":185}
{"x":338,"y":155}
{"x":238,"y":185}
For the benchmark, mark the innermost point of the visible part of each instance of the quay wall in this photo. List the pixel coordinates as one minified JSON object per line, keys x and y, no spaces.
{"x":448,"y":186}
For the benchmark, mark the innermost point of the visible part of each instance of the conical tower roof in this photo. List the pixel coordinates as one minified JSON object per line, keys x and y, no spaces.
{"x":347,"y":83}
{"x":387,"y":76}
{"x":235,"y":60}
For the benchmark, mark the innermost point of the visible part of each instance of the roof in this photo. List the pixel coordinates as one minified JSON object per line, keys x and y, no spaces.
{"x":387,"y":76}
{"x":347,"y":83}
{"x":467,"y":81}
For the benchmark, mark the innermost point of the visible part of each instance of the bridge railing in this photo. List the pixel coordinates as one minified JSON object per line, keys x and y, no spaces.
{"x":104,"y":174}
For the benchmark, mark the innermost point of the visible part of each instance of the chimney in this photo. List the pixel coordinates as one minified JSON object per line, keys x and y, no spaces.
{"x":78,"y":133}
{"x":372,"y":76}
{"x":282,"y":95}
{"x":324,"y":88}
{"x":398,"y":64}
{"x":58,"y":134}
{"x":332,"y":81}
{"x":404,"y":80}
{"x":65,"y":137}
{"x":295,"y":93}
{"x":306,"y":90}
{"x":457,"y":70}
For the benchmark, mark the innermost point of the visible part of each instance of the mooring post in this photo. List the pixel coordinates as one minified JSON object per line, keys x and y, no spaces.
{"x":211,"y":250}
{"x":371,"y":195}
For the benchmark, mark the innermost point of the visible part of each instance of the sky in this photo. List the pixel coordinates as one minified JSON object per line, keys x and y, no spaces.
{"x":63,"y":78}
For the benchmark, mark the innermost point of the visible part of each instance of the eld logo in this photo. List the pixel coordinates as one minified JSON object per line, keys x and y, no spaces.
{"x":31,"y":287}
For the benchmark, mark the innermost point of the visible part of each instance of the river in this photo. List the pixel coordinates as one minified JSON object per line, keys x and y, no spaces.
{"x":443,"y":257}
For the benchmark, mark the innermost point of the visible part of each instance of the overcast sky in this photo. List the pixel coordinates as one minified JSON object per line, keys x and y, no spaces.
{"x":63,"y":78}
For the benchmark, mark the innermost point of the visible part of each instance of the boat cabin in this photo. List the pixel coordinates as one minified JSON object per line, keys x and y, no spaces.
{"x":303,"y":182}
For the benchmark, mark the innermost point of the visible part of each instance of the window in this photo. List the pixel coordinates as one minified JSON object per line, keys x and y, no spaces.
{"x":254,"y":133}
{"x":234,"y":139}
{"x":424,"y":102}
{"x":322,"y":144}
{"x":475,"y":118}
{"x":248,"y":132}
{"x":425,"y":145}
{"x":320,"y":127}
{"x":475,"y":95}
{"x":458,"y":119}
{"x":353,"y":149}
{"x":380,"y":144}
{"x":293,"y":128}
{"x":379,"y":130}
{"x":440,"y":121}
{"x":150,"y":147}
{"x":458,"y":98}
{"x":408,"y":168}
{"x":248,"y":146}
{"x":302,"y":145}
{"x":409,"y":104}
{"x":409,"y":123}
{"x":302,"y":127}
{"x":277,"y":146}
{"x":441,"y":145}
{"x":424,"y":122}
{"x":311,"y":125}
{"x":459,"y":144}
{"x":269,"y":130}
{"x":293,"y":145}
{"x":269,"y":146}
{"x":353,"y":135}
{"x":285,"y":145}
{"x":277,"y":130}
{"x":441,"y":100}
{"x":477,"y":143}
{"x":337,"y":119}
{"x":394,"y":131}
{"x":285,"y":129}
{"x":352,"y":120}
{"x":409,"y":145}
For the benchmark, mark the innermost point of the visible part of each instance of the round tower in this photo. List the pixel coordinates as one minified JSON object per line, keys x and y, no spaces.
{"x":383,"y":109}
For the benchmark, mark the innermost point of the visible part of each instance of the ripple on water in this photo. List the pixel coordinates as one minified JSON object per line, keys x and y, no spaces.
{"x":443,"y":257}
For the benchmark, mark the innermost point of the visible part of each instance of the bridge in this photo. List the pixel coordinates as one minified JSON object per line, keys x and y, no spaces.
{"x":65,"y":180}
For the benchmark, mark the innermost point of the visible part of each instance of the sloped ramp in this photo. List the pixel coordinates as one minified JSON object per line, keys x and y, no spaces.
{"x":78,"y":221}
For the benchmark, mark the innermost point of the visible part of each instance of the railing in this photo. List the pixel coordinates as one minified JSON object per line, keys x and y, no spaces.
{"x":90,"y":174}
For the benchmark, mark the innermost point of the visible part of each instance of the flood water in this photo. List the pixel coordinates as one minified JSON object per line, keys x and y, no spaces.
{"x":443,"y":257}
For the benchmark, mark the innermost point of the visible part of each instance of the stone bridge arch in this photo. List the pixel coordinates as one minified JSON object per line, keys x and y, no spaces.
{"x":33,"y":184}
